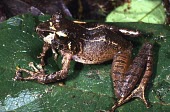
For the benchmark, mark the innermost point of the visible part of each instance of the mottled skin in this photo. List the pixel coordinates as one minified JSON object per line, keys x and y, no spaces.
{"x":125,"y":79}
{"x":93,"y":43}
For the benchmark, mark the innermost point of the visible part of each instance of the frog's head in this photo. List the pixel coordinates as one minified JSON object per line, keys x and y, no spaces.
{"x":50,"y":26}
{"x":51,"y":30}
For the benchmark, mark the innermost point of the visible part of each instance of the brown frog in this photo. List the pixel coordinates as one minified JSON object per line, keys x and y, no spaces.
{"x":93,"y":43}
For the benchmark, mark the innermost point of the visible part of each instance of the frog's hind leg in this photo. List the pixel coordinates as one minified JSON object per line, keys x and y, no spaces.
{"x":143,"y":62}
{"x":139,"y":91}
{"x":120,"y":65}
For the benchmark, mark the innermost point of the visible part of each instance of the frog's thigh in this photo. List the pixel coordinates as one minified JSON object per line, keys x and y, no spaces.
{"x":120,"y":65}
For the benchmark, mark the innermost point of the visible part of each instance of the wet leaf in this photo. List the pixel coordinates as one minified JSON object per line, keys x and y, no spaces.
{"x":88,"y":88}
{"x":149,"y":11}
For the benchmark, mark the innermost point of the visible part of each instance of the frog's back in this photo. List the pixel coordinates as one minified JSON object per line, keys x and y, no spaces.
{"x":100,"y":46}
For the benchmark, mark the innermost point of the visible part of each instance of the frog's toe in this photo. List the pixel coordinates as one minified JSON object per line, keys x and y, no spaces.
{"x":139,"y":92}
{"x":31,"y":64}
{"x":120,"y":102}
{"x":18,"y":75}
{"x":33,"y":74}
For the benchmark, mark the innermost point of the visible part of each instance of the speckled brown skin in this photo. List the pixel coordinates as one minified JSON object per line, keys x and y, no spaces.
{"x":125,"y":79}
{"x":92,"y":43}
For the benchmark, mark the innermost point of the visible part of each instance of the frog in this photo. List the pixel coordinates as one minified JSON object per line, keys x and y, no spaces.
{"x":93,"y":43}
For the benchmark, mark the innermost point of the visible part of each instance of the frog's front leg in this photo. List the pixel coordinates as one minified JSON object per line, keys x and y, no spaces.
{"x":46,"y":47}
{"x":40,"y":76}
{"x":124,"y":83}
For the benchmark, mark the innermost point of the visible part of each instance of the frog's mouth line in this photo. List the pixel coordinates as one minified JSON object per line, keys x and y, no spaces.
{"x":44,"y":32}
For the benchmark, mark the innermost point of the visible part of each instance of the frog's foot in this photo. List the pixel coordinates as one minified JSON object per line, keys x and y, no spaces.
{"x":138,"y":92}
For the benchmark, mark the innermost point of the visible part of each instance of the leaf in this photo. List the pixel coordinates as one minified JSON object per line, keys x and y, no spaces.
{"x":88,"y":88}
{"x":149,"y":11}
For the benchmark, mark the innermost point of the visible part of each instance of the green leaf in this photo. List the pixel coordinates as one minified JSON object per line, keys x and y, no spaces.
{"x":149,"y":11}
{"x":88,"y":88}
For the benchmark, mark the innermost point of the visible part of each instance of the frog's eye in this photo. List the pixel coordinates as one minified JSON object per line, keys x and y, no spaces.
{"x":45,"y":33}
{"x":53,"y":26}
{"x":57,"y":16}
{"x":43,"y":26}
